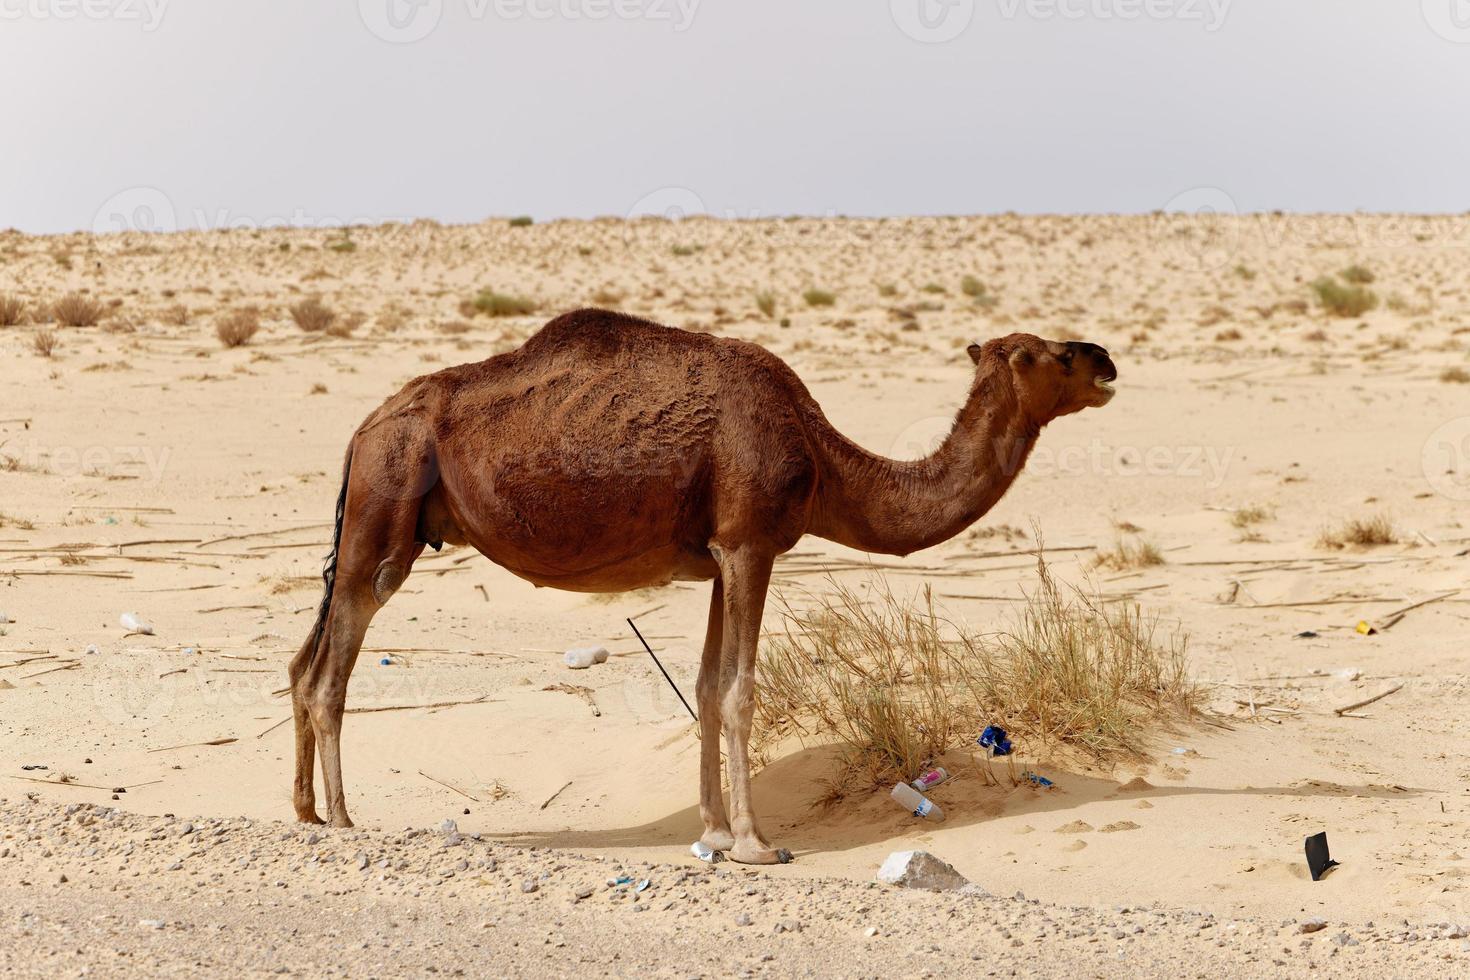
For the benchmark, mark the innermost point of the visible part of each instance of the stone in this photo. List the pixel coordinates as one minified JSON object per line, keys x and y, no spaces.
{"x":920,"y":869}
{"x":1312,"y":925}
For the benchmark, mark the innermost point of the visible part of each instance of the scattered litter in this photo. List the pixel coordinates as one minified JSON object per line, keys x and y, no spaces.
{"x":643,"y":885}
{"x":1347,"y":673}
{"x":913,"y":801}
{"x":995,"y":741}
{"x":385,"y":662}
{"x":1035,"y":780}
{"x":4,"y":619}
{"x":1181,"y":750}
{"x":920,"y":869}
{"x":580,"y":658}
{"x":930,"y":779}
{"x":191,"y":651}
{"x":705,"y":853}
{"x":1307,"y":635}
{"x":134,"y":623}
{"x":1366,"y":628}
{"x":33,"y":767}
{"x":92,"y":650}
{"x":619,"y":881}
{"x":1319,"y":859}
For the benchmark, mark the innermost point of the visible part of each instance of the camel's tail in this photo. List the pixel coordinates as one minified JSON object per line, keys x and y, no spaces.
{"x":309,"y":649}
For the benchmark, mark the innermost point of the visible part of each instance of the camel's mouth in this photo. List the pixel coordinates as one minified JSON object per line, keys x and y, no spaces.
{"x":1106,"y":384}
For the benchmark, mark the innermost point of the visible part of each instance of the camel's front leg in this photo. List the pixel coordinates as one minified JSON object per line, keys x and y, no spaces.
{"x":717,"y":834}
{"x":745,"y":573}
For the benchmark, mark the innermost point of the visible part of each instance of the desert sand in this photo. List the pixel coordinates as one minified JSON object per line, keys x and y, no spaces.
{"x":144,"y":468}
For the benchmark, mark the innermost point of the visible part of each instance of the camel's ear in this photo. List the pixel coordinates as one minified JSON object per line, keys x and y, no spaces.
{"x":1020,"y":359}
{"x":974,"y":350}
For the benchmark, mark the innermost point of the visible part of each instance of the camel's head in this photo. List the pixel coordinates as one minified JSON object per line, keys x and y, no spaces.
{"x":1051,"y":378}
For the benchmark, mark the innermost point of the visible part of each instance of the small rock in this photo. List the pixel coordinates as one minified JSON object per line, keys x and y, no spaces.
{"x":150,"y":923}
{"x":1312,"y":925}
{"x":787,"y":925}
{"x":448,"y":827}
{"x":743,"y":919}
{"x":920,"y":869}
{"x":871,"y":931}
{"x":1075,"y":827}
{"x":529,"y":885}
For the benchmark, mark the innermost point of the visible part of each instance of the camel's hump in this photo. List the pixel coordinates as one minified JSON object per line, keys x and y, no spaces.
{"x":593,"y":333}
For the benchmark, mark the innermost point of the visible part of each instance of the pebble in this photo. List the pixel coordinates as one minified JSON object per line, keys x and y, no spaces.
{"x":529,"y":885}
{"x":1312,"y":925}
{"x":743,"y":919}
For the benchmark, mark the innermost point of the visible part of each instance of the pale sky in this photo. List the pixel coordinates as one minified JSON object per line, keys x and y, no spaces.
{"x":206,"y":113}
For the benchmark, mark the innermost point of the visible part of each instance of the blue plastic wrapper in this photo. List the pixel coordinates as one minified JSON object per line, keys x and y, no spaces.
{"x":994,"y":739}
{"x":1035,"y":780}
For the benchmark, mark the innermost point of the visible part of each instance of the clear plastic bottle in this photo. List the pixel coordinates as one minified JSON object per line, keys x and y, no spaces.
{"x":580,"y":658}
{"x":916,"y":803}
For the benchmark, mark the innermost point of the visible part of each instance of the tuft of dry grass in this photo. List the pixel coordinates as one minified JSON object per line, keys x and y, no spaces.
{"x":491,"y":303}
{"x":176,"y":315}
{"x":44,"y":342}
{"x":1128,"y":553}
{"x":819,"y":297}
{"x":344,"y":326}
{"x":236,"y":328}
{"x":896,"y":686}
{"x":1343,"y":301}
{"x":12,"y":311}
{"x":765,"y":301}
{"x":1360,"y":532}
{"x":77,"y":310}
{"x":1357,"y":274}
{"x":1455,"y":375}
{"x":1244,"y":517}
{"x":312,"y":315}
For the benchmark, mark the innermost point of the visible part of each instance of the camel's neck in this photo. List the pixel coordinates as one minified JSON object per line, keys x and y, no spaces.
{"x":896,"y":507}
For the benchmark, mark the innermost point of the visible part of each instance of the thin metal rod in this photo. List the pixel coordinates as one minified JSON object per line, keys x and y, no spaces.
{"x":664,"y":672}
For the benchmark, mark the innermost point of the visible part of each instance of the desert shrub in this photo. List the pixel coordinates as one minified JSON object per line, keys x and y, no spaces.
{"x":521,"y":221}
{"x":1244,"y":517}
{"x":344,"y":326}
{"x":819,"y":297}
{"x":684,"y":251}
{"x":344,"y":244}
{"x":765,"y":301}
{"x":491,"y":303}
{"x":897,"y":686}
{"x":1357,"y":274}
{"x":1455,"y":375}
{"x":12,"y":311}
{"x":1361,"y":532}
{"x":77,"y":310}
{"x":44,"y":342}
{"x":312,"y":315}
{"x":1128,"y":553}
{"x":1344,"y":301}
{"x":236,"y":328}
{"x":176,"y":315}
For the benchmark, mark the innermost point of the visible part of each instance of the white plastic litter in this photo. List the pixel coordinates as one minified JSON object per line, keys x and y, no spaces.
{"x":134,"y":623}
{"x":705,"y":853}
{"x":580,"y":658}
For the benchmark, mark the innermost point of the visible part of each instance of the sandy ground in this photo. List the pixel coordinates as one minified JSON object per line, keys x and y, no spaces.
{"x":143,"y":468}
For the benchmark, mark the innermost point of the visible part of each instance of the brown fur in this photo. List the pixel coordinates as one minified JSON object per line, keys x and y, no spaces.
{"x":609,"y":453}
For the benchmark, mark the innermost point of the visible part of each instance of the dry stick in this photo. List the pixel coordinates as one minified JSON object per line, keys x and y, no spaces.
{"x":483,"y":592}
{"x":105,"y":789}
{"x":274,"y":727}
{"x":1363,"y":704}
{"x":450,"y":786}
{"x":181,"y":670}
{"x":70,"y":666}
{"x":195,"y":745}
{"x":28,"y":660}
{"x":129,"y":544}
{"x":410,"y":707}
{"x":559,"y":792}
{"x":261,"y":534}
{"x":1398,"y":613}
{"x":56,"y":571}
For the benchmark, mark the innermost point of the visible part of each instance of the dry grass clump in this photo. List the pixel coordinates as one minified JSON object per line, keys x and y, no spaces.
{"x":1128,"y":553}
{"x":236,"y":328}
{"x":1344,"y":301}
{"x":765,"y":301}
{"x":1455,"y":375}
{"x":819,"y":297}
{"x":44,"y":342}
{"x":12,"y":311}
{"x":344,"y":326}
{"x":897,"y":686}
{"x":491,"y":303}
{"x":77,"y":310}
{"x":312,"y":315}
{"x":1244,"y":517}
{"x":1357,"y":274}
{"x":176,"y":315}
{"x":1360,"y":532}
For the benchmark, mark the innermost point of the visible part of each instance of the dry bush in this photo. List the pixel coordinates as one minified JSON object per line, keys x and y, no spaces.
{"x":819,"y":297}
{"x":77,"y":310}
{"x":1362,"y":532}
{"x":1357,"y":274}
{"x":236,"y":328}
{"x":765,"y":301}
{"x":1344,"y":301}
{"x":344,"y":326}
{"x":1455,"y":375}
{"x":176,"y":315}
{"x":12,"y":311}
{"x":44,"y":342}
{"x":897,"y":686}
{"x":312,"y":315}
{"x":1244,"y":517}
{"x":1128,"y":553}
{"x":491,"y":303}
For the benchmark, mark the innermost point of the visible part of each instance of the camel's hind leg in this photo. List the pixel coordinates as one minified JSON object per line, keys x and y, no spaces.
{"x":376,"y":549}
{"x":717,"y":835}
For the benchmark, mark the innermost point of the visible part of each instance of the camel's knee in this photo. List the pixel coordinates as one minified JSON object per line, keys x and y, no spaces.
{"x":387,"y":579}
{"x":738,"y":699}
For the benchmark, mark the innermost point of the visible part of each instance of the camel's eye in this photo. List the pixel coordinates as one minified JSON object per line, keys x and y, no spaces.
{"x":1065,"y":357}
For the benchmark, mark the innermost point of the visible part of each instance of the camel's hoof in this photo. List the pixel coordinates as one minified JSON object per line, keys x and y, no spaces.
{"x":718,"y":840}
{"x":342,"y":821}
{"x":760,"y":855}
{"x":308,"y":816}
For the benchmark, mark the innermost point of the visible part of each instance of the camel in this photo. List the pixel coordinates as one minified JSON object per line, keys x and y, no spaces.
{"x":609,"y":453}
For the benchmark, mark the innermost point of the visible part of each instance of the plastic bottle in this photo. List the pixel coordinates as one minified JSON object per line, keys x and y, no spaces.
{"x":134,"y":623}
{"x":930,"y":778}
{"x":915,"y":802}
{"x":580,"y":658}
